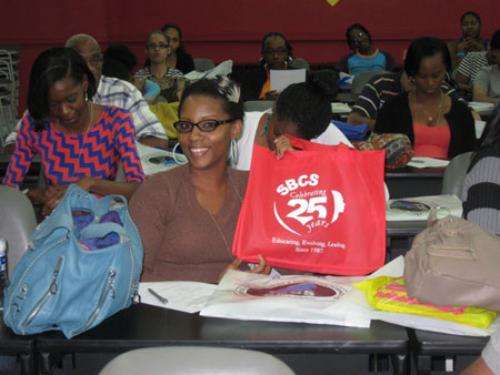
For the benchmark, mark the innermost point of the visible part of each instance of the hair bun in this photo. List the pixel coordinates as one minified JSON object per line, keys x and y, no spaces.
{"x":228,"y":89}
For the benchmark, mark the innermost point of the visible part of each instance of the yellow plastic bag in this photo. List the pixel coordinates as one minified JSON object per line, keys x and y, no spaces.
{"x":389,"y":294}
{"x":167,"y":114}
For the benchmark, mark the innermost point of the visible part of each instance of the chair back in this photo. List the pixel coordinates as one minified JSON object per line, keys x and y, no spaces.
{"x":359,"y":82}
{"x":257,"y":105}
{"x":17,"y":222}
{"x":202,"y":64}
{"x":299,"y":63}
{"x":454,"y":175}
{"x":187,"y":360}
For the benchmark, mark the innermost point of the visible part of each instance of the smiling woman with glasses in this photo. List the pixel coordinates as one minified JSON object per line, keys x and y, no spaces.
{"x":187,"y":216}
{"x":156,"y":67}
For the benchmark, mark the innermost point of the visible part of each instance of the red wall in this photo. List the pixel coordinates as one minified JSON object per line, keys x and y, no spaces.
{"x":222,"y":29}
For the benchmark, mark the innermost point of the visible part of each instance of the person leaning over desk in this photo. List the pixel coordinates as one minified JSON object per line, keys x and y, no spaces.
{"x":114,"y":92}
{"x":187,"y":216}
{"x":486,"y":85}
{"x":78,"y":141}
{"x":437,"y":125}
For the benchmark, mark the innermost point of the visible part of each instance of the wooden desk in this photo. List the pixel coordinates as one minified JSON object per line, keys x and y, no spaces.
{"x":430,"y":345}
{"x":143,"y":326}
{"x":23,"y":346}
{"x":414,"y":182}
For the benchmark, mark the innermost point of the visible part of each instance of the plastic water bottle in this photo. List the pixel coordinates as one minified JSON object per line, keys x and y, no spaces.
{"x":4,"y":276}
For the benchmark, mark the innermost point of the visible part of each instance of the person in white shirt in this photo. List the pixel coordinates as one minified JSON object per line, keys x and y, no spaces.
{"x":115,"y":92}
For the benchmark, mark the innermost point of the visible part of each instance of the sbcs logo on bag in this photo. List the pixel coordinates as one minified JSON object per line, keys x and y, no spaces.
{"x":302,"y":206}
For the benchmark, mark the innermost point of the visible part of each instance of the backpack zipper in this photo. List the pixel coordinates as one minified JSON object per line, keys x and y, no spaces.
{"x":46,"y":297}
{"x":108,"y":287}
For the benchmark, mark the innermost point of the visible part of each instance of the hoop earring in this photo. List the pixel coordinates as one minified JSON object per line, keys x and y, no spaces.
{"x":175,"y":156}
{"x":234,"y":153}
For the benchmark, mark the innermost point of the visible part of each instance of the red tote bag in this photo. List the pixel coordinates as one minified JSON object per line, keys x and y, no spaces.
{"x":320,"y":209}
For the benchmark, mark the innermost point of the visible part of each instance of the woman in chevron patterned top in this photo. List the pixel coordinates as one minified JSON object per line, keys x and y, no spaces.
{"x":78,"y":141}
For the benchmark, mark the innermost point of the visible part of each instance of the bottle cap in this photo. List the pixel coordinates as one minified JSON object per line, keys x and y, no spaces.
{"x":3,"y":245}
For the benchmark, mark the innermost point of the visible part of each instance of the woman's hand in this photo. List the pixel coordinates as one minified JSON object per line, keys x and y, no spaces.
{"x":53,"y":195}
{"x":471,"y":44}
{"x":262,"y":267}
{"x":86,"y":183}
{"x":282,"y":144}
{"x":271,"y":95}
{"x":37,"y":196}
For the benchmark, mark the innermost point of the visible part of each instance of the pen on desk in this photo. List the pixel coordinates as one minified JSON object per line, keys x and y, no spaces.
{"x":157,"y":296}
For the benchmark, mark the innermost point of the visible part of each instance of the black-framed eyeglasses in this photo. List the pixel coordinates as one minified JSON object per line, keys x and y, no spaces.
{"x":205,"y":125}
{"x":153,"y":46}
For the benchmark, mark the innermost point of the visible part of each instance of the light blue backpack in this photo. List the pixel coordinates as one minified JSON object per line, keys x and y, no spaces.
{"x":79,"y":268}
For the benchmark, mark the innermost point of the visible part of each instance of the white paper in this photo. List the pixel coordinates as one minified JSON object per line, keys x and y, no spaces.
{"x":186,"y":296}
{"x":281,"y":79}
{"x":154,"y":160}
{"x":236,"y":298}
{"x":349,"y":309}
{"x":339,"y":107}
{"x":481,"y":107}
{"x":445,"y":205}
{"x":434,"y":325}
{"x":479,"y":125}
{"x":424,"y":162}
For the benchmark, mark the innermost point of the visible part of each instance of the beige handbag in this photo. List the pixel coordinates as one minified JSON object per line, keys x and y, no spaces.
{"x":454,"y":263}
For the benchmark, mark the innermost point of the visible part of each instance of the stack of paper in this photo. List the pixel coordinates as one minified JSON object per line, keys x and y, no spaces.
{"x":481,"y":107}
{"x":281,"y":79}
{"x":424,"y":162}
{"x":445,"y":205}
{"x":339,"y":107}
